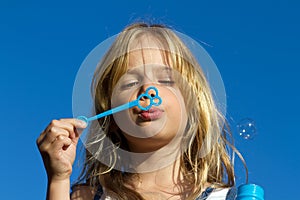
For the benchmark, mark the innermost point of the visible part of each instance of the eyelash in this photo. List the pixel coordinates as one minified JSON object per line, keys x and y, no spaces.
{"x":131,"y":84}
{"x":167,"y":82}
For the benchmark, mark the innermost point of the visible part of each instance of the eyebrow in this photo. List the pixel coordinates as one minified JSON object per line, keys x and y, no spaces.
{"x":133,"y":70}
{"x":137,"y":69}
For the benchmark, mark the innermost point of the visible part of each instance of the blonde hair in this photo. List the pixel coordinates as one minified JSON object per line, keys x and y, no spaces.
{"x":205,"y":160}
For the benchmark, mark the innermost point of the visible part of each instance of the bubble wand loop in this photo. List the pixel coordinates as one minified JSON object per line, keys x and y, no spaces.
{"x":128,"y":105}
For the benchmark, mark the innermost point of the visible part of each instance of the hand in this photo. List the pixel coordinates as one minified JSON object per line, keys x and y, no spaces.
{"x":57,"y":145}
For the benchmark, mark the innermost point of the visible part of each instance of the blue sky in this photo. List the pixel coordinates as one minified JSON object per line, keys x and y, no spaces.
{"x":255,"y":45}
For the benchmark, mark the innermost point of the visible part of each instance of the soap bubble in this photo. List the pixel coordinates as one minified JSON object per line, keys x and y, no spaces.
{"x":246,"y":128}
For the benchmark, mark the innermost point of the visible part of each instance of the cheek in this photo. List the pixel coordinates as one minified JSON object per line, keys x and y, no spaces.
{"x":122,"y":97}
{"x":175,"y":106}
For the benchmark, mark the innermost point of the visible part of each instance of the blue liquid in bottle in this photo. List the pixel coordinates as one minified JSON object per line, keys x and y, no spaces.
{"x":250,"y":192}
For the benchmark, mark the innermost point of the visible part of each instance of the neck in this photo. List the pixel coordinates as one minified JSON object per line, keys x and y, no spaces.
{"x":164,"y":183}
{"x":145,"y":145}
{"x":167,"y":181}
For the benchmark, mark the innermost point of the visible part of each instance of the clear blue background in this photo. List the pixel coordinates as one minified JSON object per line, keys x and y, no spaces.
{"x":254,"y":43}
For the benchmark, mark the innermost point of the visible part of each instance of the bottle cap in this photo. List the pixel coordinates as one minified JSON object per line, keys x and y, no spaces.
{"x":250,"y":190}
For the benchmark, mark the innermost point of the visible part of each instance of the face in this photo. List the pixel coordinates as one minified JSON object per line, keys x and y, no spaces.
{"x":149,"y":130}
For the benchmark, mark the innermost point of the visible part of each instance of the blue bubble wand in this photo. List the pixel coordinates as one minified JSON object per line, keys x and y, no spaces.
{"x":155,"y":100}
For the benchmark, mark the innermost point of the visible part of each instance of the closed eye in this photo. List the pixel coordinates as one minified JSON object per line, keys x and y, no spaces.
{"x":165,"y":76}
{"x":129,"y":85}
{"x":169,"y":82}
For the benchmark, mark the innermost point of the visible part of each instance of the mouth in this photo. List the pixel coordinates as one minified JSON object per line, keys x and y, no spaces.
{"x":151,"y":114}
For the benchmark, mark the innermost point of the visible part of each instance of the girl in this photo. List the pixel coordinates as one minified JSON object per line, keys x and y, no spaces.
{"x":176,"y":150}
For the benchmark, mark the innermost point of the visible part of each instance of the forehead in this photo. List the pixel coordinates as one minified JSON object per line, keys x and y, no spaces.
{"x":147,"y":57}
{"x":147,"y":50}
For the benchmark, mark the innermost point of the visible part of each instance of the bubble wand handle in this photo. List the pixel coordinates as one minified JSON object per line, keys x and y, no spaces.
{"x":154,"y":101}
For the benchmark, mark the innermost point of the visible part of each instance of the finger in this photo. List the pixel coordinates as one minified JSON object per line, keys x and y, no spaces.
{"x":78,"y":126}
{"x":51,"y":136}
{"x":61,"y":142}
{"x":55,"y":149}
{"x":67,"y":142}
{"x":40,"y":138}
{"x":42,"y":135}
{"x":77,"y":123}
{"x":69,"y":124}
{"x":53,"y":123}
{"x":65,"y":124}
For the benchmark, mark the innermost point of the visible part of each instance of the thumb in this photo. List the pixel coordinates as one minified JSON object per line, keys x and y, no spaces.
{"x":78,"y":133}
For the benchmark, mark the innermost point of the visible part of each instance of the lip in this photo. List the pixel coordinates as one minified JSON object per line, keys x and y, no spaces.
{"x":151,"y":114}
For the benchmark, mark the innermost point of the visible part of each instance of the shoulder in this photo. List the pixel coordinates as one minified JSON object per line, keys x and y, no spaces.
{"x":223,"y":194}
{"x":82,"y":192}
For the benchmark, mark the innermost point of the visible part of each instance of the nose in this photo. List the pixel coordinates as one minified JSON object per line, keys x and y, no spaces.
{"x":149,"y":97}
{"x":150,"y":92}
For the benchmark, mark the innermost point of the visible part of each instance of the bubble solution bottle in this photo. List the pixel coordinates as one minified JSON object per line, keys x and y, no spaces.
{"x":250,"y":192}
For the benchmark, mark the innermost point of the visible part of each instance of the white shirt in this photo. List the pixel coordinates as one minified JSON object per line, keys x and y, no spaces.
{"x":217,"y":194}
